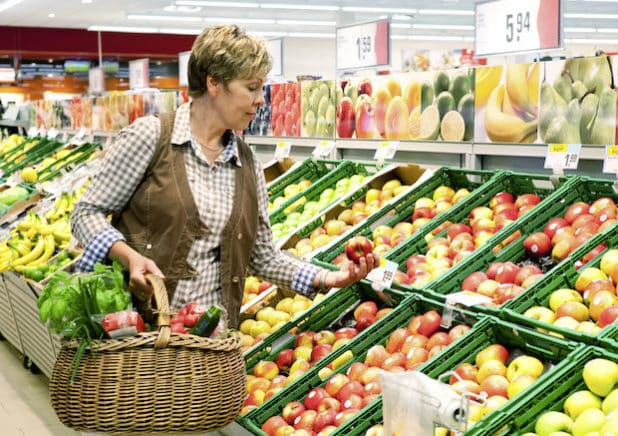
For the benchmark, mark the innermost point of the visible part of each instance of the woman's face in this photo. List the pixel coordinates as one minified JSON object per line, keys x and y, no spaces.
{"x":238,"y":102}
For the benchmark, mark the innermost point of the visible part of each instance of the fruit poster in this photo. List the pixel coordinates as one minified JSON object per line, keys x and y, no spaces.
{"x":260,"y":124}
{"x":578,"y":102}
{"x":380,"y":107}
{"x":507,"y":108}
{"x":136,"y":107}
{"x":81,"y":112}
{"x":318,"y":102}
{"x":447,"y":106}
{"x":285,"y":109}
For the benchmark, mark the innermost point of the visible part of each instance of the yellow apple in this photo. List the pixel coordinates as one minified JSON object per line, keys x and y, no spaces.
{"x":524,"y":365}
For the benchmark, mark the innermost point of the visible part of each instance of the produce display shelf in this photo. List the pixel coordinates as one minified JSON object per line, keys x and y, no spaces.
{"x":401,"y":208}
{"x":311,"y":169}
{"x":565,"y":275}
{"x":556,"y":204}
{"x":376,"y":333}
{"x":550,"y":394}
{"x":8,"y":323}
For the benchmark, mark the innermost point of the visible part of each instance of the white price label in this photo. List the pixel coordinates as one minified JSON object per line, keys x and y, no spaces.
{"x":324,"y":148}
{"x":96,"y":80}
{"x":139,"y":74}
{"x":183,"y":68}
{"x":386,"y":150}
{"x":282,"y":150}
{"x":52,"y":133}
{"x":610,"y":163}
{"x":562,"y":156}
{"x":382,"y":277}
{"x":33,"y":131}
{"x":363,"y":45}
{"x":510,"y":26}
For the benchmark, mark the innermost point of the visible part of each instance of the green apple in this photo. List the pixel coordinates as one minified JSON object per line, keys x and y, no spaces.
{"x":551,"y":422}
{"x":588,"y":421}
{"x":540,"y":313}
{"x":524,"y":365}
{"x":600,"y":376}
{"x":610,"y":403}
{"x":579,"y":401}
{"x":560,"y":433}
{"x":610,"y":428}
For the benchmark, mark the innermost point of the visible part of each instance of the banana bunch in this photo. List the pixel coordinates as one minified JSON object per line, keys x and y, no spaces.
{"x":64,"y":205}
{"x":511,"y":114}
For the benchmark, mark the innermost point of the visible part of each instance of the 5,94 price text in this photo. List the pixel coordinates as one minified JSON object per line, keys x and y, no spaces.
{"x":363,"y":44}
{"x":514,"y":28}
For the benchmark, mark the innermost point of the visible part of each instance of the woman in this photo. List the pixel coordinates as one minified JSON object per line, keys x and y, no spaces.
{"x":188,"y":197}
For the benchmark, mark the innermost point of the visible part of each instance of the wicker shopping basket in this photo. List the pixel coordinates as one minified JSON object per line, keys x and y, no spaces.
{"x":153,"y":382}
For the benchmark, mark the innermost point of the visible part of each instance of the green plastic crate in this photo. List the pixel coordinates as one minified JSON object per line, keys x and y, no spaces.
{"x":401,"y":209}
{"x":575,"y":189}
{"x":564,"y":276}
{"x":310,"y":168}
{"x":487,"y":331}
{"x":374,"y":334}
{"x":550,"y":394}
{"x":327,"y":313}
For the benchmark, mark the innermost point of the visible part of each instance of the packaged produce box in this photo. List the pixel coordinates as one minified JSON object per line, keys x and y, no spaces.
{"x":276,"y":168}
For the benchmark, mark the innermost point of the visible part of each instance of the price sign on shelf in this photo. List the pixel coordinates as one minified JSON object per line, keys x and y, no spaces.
{"x":139,"y":74}
{"x":324,"y":148}
{"x":282,"y":150}
{"x":382,"y":277}
{"x":511,"y":26}
{"x":363,"y":45}
{"x":386,"y":150}
{"x":562,"y":156}
{"x":52,"y":133}
{"x":610,"y":163}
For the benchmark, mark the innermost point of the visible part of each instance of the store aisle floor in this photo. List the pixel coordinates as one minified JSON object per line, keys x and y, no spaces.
{"x":25,"y":409}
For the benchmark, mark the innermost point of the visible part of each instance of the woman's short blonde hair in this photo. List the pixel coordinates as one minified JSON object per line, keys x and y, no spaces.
{"x":226,"y":53}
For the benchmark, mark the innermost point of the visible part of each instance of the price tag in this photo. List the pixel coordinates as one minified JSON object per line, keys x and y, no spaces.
{"x":52,"y":133}
{"x":386,"y":150}
{"x":96,"y":79}
{"x":139,"y":74}
{"x":282,"y":150}
{"x":5,"y":234}
{"x":382,"y":277}
{"x":511,"y":26}
{"x":33,"y":131}
{"x":464,"y":298}
{"x":324,"y":148}
{"x":562,"y":156}
{"x":610,"y":163}
{"x":363,"y":45}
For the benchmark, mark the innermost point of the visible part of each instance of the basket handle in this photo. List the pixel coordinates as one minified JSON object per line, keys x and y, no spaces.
{"x":163,"y":320}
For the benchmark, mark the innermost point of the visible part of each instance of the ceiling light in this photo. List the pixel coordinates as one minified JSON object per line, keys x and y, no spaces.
{"x":307,"y":22}
{"x":435,"y":38}
{"x":86,"y":1}
{"x":399,"y":37}
{"x":9,"y":4}
{"x":311,"y":35}
{"x":591,"y":40}
{"x":162,"y":18}
{"x":580,"y":29}
{"x":607,"y":30}
{"x":217,"y":4}
{"x":444,"y":12}
{"x":305,"y":7}
{"x":180,"y":31}
{"x":259,"y":33}
{"x":52,"y":15}
{"x":368,"y":9}
{"x":442,"y":26}
{"x":401,"y":17}
{"x":239,"y":20}
{"x":597,"y":16}
{"x":187,"y":9}
{"x":123,"y":29}
{"x":401,"y":25}
{"x":468,"y":38}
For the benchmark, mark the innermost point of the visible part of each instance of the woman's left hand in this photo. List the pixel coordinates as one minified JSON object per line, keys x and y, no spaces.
{"x":351,"y":272}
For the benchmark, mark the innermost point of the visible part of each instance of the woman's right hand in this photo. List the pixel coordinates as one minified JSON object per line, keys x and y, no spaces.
{"x":138,"y":267}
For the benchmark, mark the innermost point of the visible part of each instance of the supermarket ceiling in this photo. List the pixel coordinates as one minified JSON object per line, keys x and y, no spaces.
{"x":590,"y":20}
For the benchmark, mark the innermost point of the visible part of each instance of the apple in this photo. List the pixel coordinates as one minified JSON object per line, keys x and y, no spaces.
{"x":507,"y":272}
{"x":537,"y":244}
{"x":257,"y":383}
{"x":334,"y":227}
{"x":599,"y":302}
{"x":319,"y":351}
{"x":415,"y":356}
{"x":304,"y":339}
{"x":354,"y":401}
{"x":357,"y":247}
{"x":609,"y":264}
{"x":255,"y":398}
{"x":324,"y":419}
{"x":587,"y":276}
{"x":600,"y":376}
{"x":610,"y":402}
{"x":345,"y":333}
{"x":531,"y":280}
{"x":375,"y":430}
{"x":553,"y":422}
{"x":272,"y":424}
{"x":525,"y":272}
{"x":345,"y":118}
{"x":328,"y":430}
{"x":356,"y":370}
{"x":299,"y":365}
{"x":576,"y":209}
{"x":589,"y":328}
{"x":473,"y":280}
{"x":426,"y":325}
{"x":579,"y":401}
{"x":278,"y":382}
{"x":457,"y":331}
{"x":488,"y":288}
{"x":608,"y":316}
{"x":396,"y":340}
{"x":524,"y":365}
{"x":492,"y":270}
{"x":501,"y":197}
{"x":371,"y":375}
{"x":519,"y":383}
{"x":292,"y":410}
{"x":284,"y":359}
{"x":455,"y":229}
{"x":507,"y":291}
{"x":345,"y":415}
{"x":469,"y":386}
{"x":302,"y":353}
{"x":412,"y":341}
{"x":553,"y":225}
{"x":324,"y":337}
{"x":562,"y":295}
{"x":397,"y":359}
{"x":574,"y":309}
{"x":438,"y":338}
{"x":460,"y":245}
{"x":489,"y":368}
{"x":383,"y":312}
{"x":464,"y":371}
{"x":376,"y":355}
{"x":350,"y":388}
{"x":527,"y":200}
{"x":460,"y":194}
{"x":540,"y":313}
{"x":314,"y":397}
{"x":364,"y":321}
{"x":335,"y":383}
{"x":305,"y":420}
{"x":422,"y":212}
{"x":495,"y":385}
{"x":329,"y":403}
{"x":493,"y":351}
{"x":369,"y":398}
{"x":366,"y":307}
{"x":589,"y":422}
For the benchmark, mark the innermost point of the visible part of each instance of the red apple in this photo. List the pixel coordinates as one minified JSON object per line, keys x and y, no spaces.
{"x":464,"y":371}
{"x":416,"y":356}
{"x":438,"y":338}
{"x":324,"y":419}
{"x":335,"y":383}
{"x":329,"y":403}
{"x":396,"y":340}
{"x":492,"y":270}
{"x":356,"y":370}
{"x":371,"y":375}
{"x":376,"y":356}
{"x":473,"y":280}
{"x":272,"y":424}
{"x":266,"y":369}
{"x":346,"y":333}
{"x":397,"y":359}
{"x":507,"y":291}
{"x":304,"y":339}
{"x":291,"y":411}
{"x":495,"y":385}
{"x":576,"y":209}
{"x":350,"y":388}
{"x":553,"y":225}
{"x":314,"y":397}
{"x":507,"y":273}
{"x":319,"y":351}
{"x":527,"y":200}
{"x":457,"y":228}
{"x":501,"y":197}
{"x":366,"y":308}
{"x":525,"y":272}
{"x":285,"y":359}
{"x":537,"y":244}
{"x":412,"y":341}
{"x":345,"y":118}
{"x":358,"y":247}
{"x":344,"y":416}
{"x":608,"y":316}
{"x":458,"y":331}
{"x":427,"y":324}
{"x":373,"y":388}
{"x":324,"y":337}
{"x":493,"y":351}
{"x":305,"y":420}
{"x":364,"y":321}
{"x":354,"y":401}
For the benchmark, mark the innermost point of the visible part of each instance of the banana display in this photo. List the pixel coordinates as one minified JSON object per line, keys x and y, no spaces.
{"x":579,"y":105}
{"x":511,"y":112}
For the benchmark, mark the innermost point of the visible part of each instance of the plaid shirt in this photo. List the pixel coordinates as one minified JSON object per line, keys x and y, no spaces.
{"x":212,"y":187}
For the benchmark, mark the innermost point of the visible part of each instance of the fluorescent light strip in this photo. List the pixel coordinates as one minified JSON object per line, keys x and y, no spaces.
{"x":239,"y":20}
{"x":307,"y":22}
{"x":468,"y":38}
{"x":401,"y":26}
{"x":9,"y":4}
{"x":311,"y":35}
{"x":399,"y":37}
{"x":180,"y":31}
{"x":442,"y":26}
{"x":217,"y":4}
{"x":602,"y":1}
{"x":444,"y":12}
{"x":595,"y":16}
{"x":435,"y":38}
{"x":162,"y":17}
{"x":259,"y":33}
{"x":304,"y":7}
{"x":401,"y":17}
{"x":580,"y":29}
{"x":123,"y":29}
{"x":607,"y":30}
{"x":590,"y":41}
{"x":368,"y":9}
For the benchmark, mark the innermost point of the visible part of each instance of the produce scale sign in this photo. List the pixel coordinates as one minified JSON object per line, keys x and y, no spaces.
{"x":512,"y":26}
{"x":363,"y":45}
